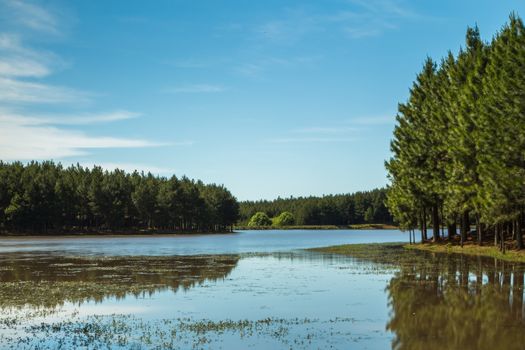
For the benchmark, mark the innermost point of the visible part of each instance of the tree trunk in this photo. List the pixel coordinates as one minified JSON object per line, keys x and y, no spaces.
{"x":479,"y":230}
{"x":465,"y":227}
{"x":435,"y":223}
{"x":421,"y":227}
{"x":443,"y":221}
{"x":519,"y":237}
{"x":501,"y":239}
{"x":451,"y":231}
{"x":425,"y":237}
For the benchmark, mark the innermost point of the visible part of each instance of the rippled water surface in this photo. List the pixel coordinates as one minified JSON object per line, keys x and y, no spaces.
{"x":70,"y":294}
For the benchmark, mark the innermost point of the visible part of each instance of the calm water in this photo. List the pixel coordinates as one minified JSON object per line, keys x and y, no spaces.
{"x":64,"y":294}
{"x":240,"y":242}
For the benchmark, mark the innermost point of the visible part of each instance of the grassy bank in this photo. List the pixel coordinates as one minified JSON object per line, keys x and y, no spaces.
{"x":470,"y":249}
{"x":320,"y":227}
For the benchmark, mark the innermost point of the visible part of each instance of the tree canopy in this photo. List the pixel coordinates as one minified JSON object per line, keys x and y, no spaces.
{"x":259,"y":219}
{"x":284,"y":219}
{"x":342,"y":209}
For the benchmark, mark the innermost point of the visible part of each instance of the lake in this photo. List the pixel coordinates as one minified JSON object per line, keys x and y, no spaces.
{"x":253,"y":289}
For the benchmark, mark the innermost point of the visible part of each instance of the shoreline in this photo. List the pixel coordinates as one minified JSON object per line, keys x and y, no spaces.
{"x":319,"y":227}
{"x":111,"y":234}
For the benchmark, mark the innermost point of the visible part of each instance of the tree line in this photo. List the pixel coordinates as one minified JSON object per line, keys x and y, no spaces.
{"x":459,"y":142}
{"x":340,"y":210}
{"x":42,"y":197}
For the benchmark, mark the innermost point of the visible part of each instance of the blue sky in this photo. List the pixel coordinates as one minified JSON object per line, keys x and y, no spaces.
{"x":270,"y":98}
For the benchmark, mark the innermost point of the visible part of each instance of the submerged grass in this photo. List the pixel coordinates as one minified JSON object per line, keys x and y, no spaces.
{"x":126,"y":331}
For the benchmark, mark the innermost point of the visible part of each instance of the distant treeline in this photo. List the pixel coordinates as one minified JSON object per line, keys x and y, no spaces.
{"x":45,"y":197}
{"x":459,"y":143}
{"x":342,"y":209}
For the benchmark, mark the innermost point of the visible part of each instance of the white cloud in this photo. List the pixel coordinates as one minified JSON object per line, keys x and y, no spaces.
{"x":195,"y":89}
{"x":27,"y":138}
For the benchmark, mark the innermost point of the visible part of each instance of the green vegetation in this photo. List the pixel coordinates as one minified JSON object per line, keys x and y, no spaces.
{"x":336,"y":210}
{"x":259,"y":219}
{"x":284,"y":219}
{"x":46,"y":198}
{"x":459,"y":143}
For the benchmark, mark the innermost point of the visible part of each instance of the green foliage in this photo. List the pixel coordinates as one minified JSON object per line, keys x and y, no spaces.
{"x":259,"y":219}
{"x":284,"y":219}
{"x":45,"y":197}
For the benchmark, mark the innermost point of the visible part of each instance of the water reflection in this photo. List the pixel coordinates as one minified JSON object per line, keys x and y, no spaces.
{"x":457,"y":302}
{"x":48,"y":280}
{"x":381,"y":296}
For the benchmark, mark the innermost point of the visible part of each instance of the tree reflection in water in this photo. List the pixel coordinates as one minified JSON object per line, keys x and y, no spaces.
{"x":457,"y":302}
{"x":40,"y":280}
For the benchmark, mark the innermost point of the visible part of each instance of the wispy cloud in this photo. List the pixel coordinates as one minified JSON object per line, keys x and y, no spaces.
{"x":31,"y":16}
{"x":15,"y":90}
{"x":195,"y":89}
{"x":187,"y":63}
{"x":19,"y":64}
{"x":16,"y":60}
{"x":373,"y":120}
{"x":357,"y":19}
{"x":324,"y":130}
{"x":311,"y":139}
{"x":72,"y":119}
{"x":291,"y":28}
{"x":318,"y":134}
{"x":257,"y":68}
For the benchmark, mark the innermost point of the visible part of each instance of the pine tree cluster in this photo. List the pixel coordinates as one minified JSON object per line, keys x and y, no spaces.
{"x":459,"y":143}
{"x":45,"y":197}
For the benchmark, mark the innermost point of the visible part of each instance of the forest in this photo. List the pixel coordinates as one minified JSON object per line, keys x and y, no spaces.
{"x":459,"y":143}
{"x":343,"y":209}
{"x":42,"y":197}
